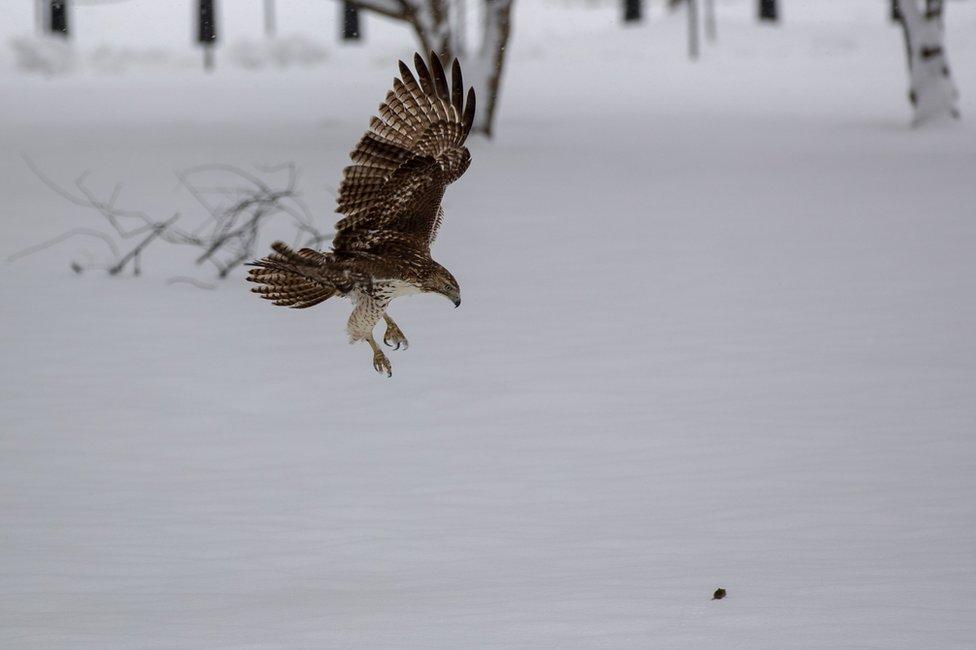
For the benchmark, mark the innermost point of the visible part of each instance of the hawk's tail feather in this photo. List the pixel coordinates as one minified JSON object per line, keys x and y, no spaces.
{"x":291,"y":278}
{"x":300,"y":297}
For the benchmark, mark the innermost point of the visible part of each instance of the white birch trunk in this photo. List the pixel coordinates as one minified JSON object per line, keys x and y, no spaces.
{"x":932,"y":92}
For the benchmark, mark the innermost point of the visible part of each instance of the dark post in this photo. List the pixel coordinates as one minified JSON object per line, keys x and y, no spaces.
{"x":207,"y":33}
{"x":350,"y":22}
{"x":59,"y":18}
{"x":767,"y":10}
{"x":632,"y":11}
{"x":895,"y":11}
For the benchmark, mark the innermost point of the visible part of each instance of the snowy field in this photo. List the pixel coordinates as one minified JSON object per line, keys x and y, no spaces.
{"x":718,"y":330}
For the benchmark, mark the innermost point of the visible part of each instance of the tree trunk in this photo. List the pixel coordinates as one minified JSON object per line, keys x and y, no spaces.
{"x":491,"y":59}
{"x":350,"y":22}
{"x":693,"y":48}
{"x":432,"y":23}
{"x":269,"y":19}
{"x":483,"y":68}
{"x":459,"y":25}
{"x":58,"y":15}
{"x":711,"y":25}
{"x":932,"y":92}
{"x":768,"y":10}
{"x":633,"y":11}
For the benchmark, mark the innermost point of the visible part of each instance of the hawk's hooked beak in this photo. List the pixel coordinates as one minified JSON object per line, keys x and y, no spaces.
{"x":457,"y":302}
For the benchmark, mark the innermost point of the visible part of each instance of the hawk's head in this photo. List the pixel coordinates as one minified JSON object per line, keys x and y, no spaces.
{"x":440,"y":280}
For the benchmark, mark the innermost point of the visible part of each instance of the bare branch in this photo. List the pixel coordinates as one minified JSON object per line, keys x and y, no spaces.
{"x":182,"y":279}
{"x":227,"y":236}
{"x":389,"y":8}
{"x":36,"y":248}
{"x":134,"y":253}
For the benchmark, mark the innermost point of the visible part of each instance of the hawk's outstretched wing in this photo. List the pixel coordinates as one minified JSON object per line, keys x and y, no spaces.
{"x":411,"y":152}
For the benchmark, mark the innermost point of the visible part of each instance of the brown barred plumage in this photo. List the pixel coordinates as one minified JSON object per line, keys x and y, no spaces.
{"x":391,"y":201}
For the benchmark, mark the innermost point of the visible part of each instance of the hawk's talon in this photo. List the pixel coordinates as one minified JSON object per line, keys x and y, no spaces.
{"x":394,"y":335}
{"x":381,"y":364}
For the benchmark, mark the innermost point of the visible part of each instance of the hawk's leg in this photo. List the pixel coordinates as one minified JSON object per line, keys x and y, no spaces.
{"x":381,"y":363}
{"x":362,"y":320}
{"x":394,"y":335}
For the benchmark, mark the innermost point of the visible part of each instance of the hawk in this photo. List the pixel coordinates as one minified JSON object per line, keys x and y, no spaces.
{"x":391,"y":201}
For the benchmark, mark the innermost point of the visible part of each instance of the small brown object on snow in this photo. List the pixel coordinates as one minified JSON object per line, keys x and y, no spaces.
{"x":719,"y":594}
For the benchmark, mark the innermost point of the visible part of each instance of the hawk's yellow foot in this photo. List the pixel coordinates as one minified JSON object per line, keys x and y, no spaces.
{"x":394,"y":337}
{"x":381,"y":363}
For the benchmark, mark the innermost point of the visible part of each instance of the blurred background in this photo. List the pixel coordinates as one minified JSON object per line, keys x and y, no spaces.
{"x":718,"y":276}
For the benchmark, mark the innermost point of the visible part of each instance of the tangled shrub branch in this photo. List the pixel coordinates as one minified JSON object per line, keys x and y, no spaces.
{"x":236,"y":205}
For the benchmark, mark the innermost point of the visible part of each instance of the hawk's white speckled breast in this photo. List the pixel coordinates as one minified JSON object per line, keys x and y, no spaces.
{"x":369,"y":307}
{"x":390,"y":289}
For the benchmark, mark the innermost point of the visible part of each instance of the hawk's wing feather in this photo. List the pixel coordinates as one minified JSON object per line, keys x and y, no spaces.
{"x":411,"y":152}
{"x":457,"y":89}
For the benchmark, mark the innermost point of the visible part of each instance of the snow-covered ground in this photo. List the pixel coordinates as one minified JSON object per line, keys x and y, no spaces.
{"x":718,"y":330}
